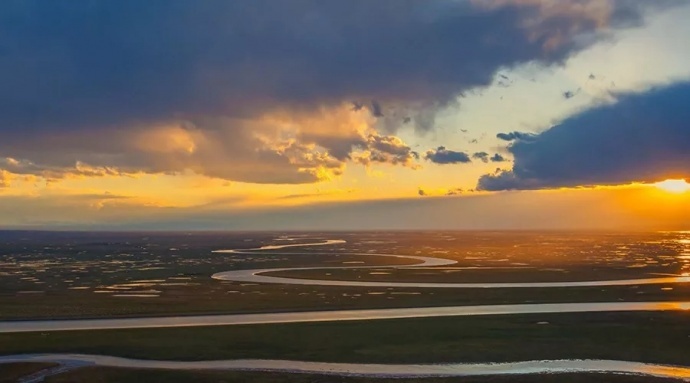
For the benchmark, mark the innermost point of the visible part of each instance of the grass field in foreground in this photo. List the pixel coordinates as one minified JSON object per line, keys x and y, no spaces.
{"x":13,"y":372}
{"x":658,"y":337}
{"x":111,"y":375}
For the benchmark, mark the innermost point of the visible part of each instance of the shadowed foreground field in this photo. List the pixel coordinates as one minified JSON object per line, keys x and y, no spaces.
{"x":15,"y":371}
{"x":111,"y":375}
{"x":654,"y":337}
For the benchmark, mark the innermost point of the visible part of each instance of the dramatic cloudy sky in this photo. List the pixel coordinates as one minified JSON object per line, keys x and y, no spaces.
{"x":458,"y":114}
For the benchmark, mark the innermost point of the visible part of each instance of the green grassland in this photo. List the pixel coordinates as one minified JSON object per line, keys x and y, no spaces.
{"x":112,"y":375}
{"x":213,"y":297}
{"x":10,"y":373}
{"x":55,"y":275}
{"x":77,"y":275}
{"x":483,"y":274}
{"x":658,"y":337}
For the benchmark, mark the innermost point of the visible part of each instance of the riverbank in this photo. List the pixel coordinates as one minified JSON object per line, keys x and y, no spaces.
{"x":366,"y":370}
{"x":652,"y":337}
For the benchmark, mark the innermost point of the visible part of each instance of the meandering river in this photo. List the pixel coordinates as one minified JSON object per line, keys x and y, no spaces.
{"x":259,"y":275}
{"x":333,"y":315}
{"x":371,"y":370}
{"x":368,"y":370}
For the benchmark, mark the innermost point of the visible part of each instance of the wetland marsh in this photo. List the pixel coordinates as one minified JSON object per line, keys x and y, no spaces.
{"x":533,"y":276}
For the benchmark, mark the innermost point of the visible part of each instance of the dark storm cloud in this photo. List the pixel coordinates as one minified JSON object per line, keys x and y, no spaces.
{"x":482,"y":156}
{"x":497,"y":158}
{"x":387,"y":149}
{"x":485,"y":157}
{"x":640,"y":138}
{"x":376,"y":110}
{"x":443,"y":156}
{"x":515,"y":136}
{"x":67,"y":63}
{"x":88,"y":66}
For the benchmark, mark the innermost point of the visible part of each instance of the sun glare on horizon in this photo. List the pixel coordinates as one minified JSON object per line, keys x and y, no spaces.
{"x":673,"y":186}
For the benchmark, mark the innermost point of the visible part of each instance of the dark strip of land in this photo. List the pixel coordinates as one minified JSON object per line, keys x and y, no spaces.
{"x":14,"y":371}
{"x":655,"y":337}
{"x":112,"y":375}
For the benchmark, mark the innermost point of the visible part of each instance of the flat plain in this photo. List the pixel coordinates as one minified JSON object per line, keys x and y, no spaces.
{"x":107,"y":275}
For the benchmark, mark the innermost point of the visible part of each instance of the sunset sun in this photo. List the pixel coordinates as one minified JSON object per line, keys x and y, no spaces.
{"x":673,"y":186}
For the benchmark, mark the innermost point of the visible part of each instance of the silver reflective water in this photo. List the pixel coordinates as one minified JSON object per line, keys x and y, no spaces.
{"x":259,"y":275}
{"x":369,"y":370}
{"x":334,"y":315}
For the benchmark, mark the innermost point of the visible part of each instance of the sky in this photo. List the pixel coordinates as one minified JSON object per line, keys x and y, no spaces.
{"x":342,"y":115}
